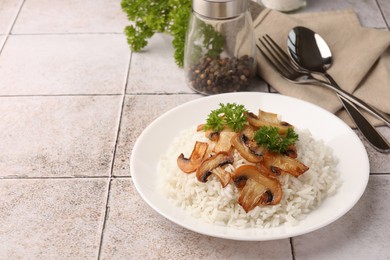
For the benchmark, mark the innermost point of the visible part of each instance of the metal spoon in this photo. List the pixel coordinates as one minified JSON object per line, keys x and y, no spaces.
{"x":310,"y":52}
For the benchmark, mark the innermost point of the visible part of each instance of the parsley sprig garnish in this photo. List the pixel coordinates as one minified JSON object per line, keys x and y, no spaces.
{"x":269,"y":137}
{"x":228,"y":115}
{"x":233,"y":116}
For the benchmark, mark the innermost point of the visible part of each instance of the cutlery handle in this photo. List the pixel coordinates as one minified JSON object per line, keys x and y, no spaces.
{"x":368,"y":130}
{"x":372,"y":110}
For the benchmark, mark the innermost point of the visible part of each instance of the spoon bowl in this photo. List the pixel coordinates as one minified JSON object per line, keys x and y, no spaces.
{"x":309,"y":50}
{"x":311,"y":53}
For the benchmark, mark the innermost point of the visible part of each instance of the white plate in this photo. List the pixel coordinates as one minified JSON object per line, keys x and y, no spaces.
{"x":157,"y":137}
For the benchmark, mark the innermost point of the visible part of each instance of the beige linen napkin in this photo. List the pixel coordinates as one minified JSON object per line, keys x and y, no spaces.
{"x":361,"y":63}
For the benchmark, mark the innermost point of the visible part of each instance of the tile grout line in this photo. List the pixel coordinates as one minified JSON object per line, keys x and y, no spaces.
{"x":11,"y":27}
{"x":111,"y":177}
{"x":382,"y":14}
{"x":160,"y":93}
{"x":97,"y":95}
{"x":60,"y":95}
{"x":11,"y":177}
{"x":67,"y":33}
{"x":292,"y":248}
{"x":379,"y":173}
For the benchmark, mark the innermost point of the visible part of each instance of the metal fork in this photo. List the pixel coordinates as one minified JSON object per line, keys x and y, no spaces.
{"x":280,"y":61}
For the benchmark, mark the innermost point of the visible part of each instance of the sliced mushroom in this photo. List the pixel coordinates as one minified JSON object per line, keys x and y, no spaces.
{"x":223,"y":176}
{"x":210,"y":134}
{"x":248,"y":148}
{"x":256,"y":186}
{"x":280,"y":163}
{"x":249,"y":131}
{"x":191,"y":164}
{"x":267,"y":119}
{"x":223,"y":144}
{"x":291,"y":151}
{"x":200,"y":127}
{"x":208,"y":165}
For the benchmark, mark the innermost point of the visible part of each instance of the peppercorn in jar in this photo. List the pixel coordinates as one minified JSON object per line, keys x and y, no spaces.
{"x":219,"y":50}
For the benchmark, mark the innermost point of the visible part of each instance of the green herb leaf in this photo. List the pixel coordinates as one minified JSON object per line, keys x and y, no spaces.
{"x":214,"y":121}
{"x":152,"y":16}
{"x":212,"y":40}
{"x":204,"y":41}
{"x":227,"y":115}
{"x":269,"y":137}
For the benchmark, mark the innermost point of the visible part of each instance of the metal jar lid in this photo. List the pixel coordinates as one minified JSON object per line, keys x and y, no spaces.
{"x":220,"y":9}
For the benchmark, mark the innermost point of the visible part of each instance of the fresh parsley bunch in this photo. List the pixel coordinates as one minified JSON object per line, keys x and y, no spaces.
{"x":151,"y":16}
{"x":270,"y":138}
{"x":227,"y":115}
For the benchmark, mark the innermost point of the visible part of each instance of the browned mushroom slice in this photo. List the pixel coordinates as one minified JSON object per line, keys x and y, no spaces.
{"x":208,"y":165}
{"x":210,"y":134}
{"x":200,"y":127}
{"x":223,"y":144}
{"x":291,"y":151}
{"x":249,"y":131}
{"x":256,"y":187}
{"x":280,"y":163}
{"x":267,"y":119}
{"x":223,"y":176}
{"x":191,"y":164}
{"x":247,"y":148}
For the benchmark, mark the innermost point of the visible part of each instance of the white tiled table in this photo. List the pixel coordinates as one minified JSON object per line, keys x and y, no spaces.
{"x":73,"y":100}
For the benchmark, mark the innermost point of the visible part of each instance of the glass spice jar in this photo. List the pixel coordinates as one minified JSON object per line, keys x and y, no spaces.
{"x":219,"y":53}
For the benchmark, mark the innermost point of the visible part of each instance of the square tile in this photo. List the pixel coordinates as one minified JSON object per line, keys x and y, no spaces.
{"x":379,"y":162}
{"x":58,"y":136}
{"x":8,"y":11}
{"x":133,"y":230}
{"x":363,"y":233}
{"x":51,"y":218}
{"x":71,"y":16}
{"x":153,"y":70}
{"x":385,"y":8}
{"x":138,"y":112}
{"x":64,"y":64}
{"x":2,"y":41}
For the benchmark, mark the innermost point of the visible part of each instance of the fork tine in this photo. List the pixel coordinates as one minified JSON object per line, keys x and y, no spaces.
{"x":278,"y":51}
{"x":280,"y":55}
{"x":269,"y":60}
{"x":277,"y":57}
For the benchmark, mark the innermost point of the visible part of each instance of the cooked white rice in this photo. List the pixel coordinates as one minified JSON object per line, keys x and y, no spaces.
{"x":218,"y":205}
